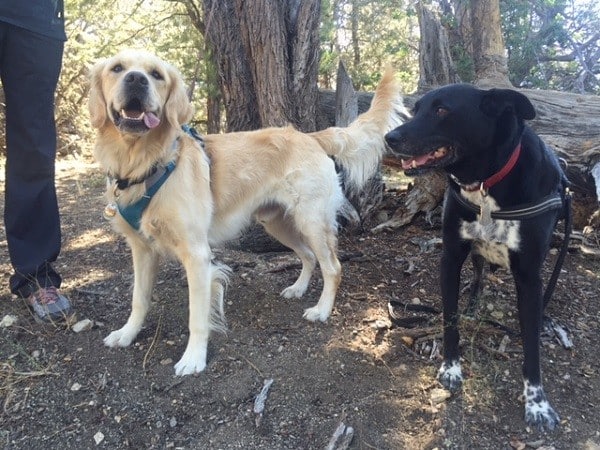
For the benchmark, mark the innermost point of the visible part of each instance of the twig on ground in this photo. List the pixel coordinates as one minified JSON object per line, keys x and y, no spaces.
{"x":417,"y":333}
{"x":562,"y":335}
{"x":493,"y":351}
{"x":253,"y":366}
{"x":152,"y":347}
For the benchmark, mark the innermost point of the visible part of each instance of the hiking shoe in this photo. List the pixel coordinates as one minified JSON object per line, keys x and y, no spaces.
{"x":49,"y":305}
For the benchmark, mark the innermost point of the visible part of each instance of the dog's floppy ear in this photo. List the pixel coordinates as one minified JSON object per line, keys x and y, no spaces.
{"x":497,"y":101}
{"x":97,"y":103}
{"x":178,"y":109}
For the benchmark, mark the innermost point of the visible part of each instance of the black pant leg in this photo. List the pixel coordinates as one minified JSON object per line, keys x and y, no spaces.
{"x":29,"y":67}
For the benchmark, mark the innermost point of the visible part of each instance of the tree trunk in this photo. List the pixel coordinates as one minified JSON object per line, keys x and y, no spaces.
{"x":233,"y":68}
{"x":435,"y":63}
{"x":303,"y":22}
{"x":266,"y":52}
{"x":491,"y":65}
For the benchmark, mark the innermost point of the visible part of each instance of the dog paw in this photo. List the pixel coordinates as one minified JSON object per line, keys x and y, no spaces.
{"x":120,"y":338}
{"x":542,"y":416}
{"x":315,"y":314}
{"x":538,"y":411}
{"x":190,"y":364}
{"x":293,"y":291}
{"x":450,"y":375}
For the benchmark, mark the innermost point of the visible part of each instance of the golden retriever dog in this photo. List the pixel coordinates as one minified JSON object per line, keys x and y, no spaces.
{"x":171,"y":194}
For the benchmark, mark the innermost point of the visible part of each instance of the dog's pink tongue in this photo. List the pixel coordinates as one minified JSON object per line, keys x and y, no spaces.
{"x":416,"y":162}
{"x":151,"y":120}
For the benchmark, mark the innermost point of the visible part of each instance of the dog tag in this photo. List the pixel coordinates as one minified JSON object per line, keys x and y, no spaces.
{"x":110,"y":211}
{"x":486,"y":213}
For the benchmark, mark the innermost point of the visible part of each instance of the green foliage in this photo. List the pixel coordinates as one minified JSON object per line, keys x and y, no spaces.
{"x":553,"y":44}
{"x":387,"y":33}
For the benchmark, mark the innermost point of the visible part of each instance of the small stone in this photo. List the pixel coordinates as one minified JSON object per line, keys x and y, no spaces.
{"x":8,"y":320}
{"x":166,"y":362}
{"x":76,"y":387}
{"x":98,"y":437}
{"x":381,"y":324}
{"x":83,"y":325}
{"x":408,"y":341}
{"x":498,"y":315}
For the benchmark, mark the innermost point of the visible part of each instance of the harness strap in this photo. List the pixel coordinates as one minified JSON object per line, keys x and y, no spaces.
{"x":153,"y":181}
{"x":519,"y":212}
{"x":133,"y":213}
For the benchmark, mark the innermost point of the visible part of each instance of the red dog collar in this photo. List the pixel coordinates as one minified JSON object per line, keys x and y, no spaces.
{"x":497,"y":177}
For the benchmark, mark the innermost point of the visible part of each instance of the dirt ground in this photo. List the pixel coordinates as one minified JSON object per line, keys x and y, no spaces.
{"x":60,"y":389}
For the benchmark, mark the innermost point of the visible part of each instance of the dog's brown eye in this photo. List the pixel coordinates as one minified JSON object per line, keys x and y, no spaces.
{"x":117,"y":68}
{"x":441,"y":112}
{"x":156,"y":74}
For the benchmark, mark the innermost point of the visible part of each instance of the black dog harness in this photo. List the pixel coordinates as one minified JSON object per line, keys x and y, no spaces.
{"x":522,"y":212}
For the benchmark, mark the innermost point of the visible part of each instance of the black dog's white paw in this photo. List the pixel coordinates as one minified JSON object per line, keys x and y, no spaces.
{"x":538,"y":411}
{"x":450,"y":375}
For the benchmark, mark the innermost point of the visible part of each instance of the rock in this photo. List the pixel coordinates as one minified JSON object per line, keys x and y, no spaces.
{"x":98,"y":437}
{"x":8,"y":320}
{"x":83,"y":325}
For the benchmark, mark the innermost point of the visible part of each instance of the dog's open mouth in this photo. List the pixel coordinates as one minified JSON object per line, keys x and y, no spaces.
{"x":431,"y":160}
{"x":133,"y":118}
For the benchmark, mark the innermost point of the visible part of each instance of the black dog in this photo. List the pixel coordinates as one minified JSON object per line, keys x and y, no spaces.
{"x":506,"y":192}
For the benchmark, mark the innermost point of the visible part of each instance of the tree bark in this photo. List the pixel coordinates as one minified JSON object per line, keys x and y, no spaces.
{"x":303,"y":33}
{"x":436,"y":67}
{"x":266,"y":52}
{"x":491,"y":65}
{"x":233,"y":67}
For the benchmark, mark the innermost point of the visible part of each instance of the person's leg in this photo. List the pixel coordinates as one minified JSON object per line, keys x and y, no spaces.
{"x":29,"y":67}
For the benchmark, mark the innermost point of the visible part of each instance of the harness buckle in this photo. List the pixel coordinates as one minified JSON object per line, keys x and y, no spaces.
{"x":483,"y":190}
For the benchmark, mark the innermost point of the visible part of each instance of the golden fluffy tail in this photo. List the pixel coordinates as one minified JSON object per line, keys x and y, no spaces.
{"x":359,"y":147}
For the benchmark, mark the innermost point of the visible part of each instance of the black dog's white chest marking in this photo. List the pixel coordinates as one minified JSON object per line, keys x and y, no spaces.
{"x":491,"y":238}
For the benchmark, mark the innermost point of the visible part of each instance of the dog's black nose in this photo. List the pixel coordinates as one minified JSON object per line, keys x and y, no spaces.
{"x":136,"y":79}
{"x":393,"y":139}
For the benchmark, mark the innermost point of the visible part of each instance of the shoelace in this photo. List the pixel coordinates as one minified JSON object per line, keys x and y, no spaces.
{"x":47,"y":296}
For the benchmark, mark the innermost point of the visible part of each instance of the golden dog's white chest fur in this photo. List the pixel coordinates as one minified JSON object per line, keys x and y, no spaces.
{"x":491,"y":238}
